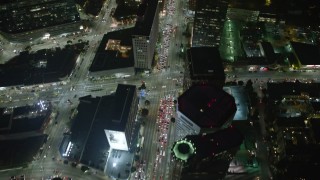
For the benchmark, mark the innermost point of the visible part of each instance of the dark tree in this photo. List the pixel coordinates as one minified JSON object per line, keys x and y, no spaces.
{"x":84,"y":168}
{"x":248,"y":86}
{"x":143,"y":86}
{"x":144,"y":112}
{"x":136,"y":157}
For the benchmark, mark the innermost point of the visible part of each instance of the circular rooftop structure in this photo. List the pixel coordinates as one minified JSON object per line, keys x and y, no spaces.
{"x":183,"y":150}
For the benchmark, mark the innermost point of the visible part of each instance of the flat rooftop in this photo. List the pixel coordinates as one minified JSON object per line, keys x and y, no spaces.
{"x":207,"y":106}
{"x":16,"y":153}
{"x":205,"y":62}
{"x":126,"y":10}
{"x":307,"y":54}
{"x":145,"y":16}
{"x":268,"y":52}
{"x":277,"y":90}
{"x":23,"y":119}
{"x":42,"y":66}
{"x":123,"y":99}
{"x":286,"y":122}
{"x":88,"y":131}
{"x":114,"y":51}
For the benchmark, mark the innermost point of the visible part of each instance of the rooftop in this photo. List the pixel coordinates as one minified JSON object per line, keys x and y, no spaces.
{"x":121,"y":107}
{"x":307,"y":54}
{"x":23,"y":119}
{"x":205,"y":62}
{"x":278,"y":90}
{"x":114,"y":51}
{"x":247,"y":4}
{"x":86,"y":137}
{"x":42,"y":66}
{"x":291,"y":121}
{"x":24,"y":15}
{"x":210,"y":144}
{"x":16,"y":153}
{"x":268,"y":52}
{"x":145,"y":16}
{"x":126,"y":10}
{"x":207,"y":106}
{"x":95,"y":114}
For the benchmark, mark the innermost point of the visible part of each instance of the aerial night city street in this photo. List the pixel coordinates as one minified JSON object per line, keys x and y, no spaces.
{"x":159,"y":89}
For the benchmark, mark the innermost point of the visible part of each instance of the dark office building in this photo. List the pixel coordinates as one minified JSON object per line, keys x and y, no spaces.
{"x":114,"y":56}
{"x":204,"y":109}
{"x":42,"y":66}
{"x":120,"y":127}
{"x":22,"y":133}
{"x":24,"y":121}
{"x":208,"y":22}
{"x":204,"y":67}
{"x":23,"y":20}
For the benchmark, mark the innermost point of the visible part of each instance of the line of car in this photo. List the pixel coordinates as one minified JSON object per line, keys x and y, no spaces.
{"x":165,"y":113}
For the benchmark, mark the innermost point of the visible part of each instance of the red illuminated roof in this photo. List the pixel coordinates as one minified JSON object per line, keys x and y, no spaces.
{"x":207,"y":106}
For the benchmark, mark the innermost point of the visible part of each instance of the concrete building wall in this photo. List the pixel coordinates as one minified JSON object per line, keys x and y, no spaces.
{"x":140,"y":51}
{"x":144,"y":45}
{"x":129,"y":131}
{"x":185,"y":126}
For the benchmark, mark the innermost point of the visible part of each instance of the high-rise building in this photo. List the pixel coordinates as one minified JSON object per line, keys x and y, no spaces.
{"x":145,"y":34}
{"x":208,"y":22}
{"x":102,"y":123}
{"x":120,"y":126}
{"x":25,"y":20}
{"x":204,"y":109}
